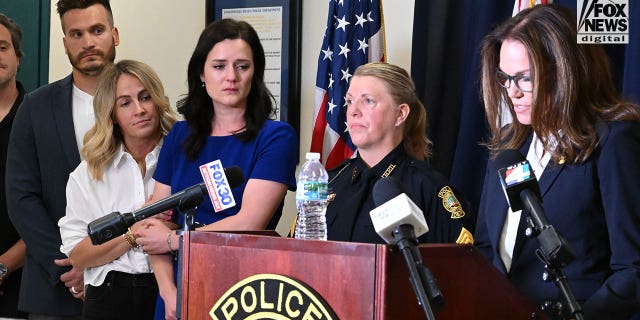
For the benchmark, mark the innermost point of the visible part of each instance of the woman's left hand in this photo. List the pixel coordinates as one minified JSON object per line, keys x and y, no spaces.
{"x":153,"y":237}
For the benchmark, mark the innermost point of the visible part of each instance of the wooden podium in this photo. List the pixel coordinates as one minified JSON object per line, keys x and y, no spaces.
{"x":357,"y":281}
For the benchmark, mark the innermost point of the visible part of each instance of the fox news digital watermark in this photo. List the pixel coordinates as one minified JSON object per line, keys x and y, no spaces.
{"x":603,"y":21}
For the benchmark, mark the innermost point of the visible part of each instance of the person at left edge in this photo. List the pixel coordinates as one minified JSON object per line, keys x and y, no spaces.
{"x":227,"y":113}
{"x":12,"y":248}
{"x":44,"y":148}
{"x":386,"y":122}
{"x":120,"y":157}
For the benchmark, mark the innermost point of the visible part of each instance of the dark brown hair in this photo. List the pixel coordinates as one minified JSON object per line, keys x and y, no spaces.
{"x":16,"y":34}
{"x":197,"y":106}
{"x":65,"y":5}
{"x":572,"y":85}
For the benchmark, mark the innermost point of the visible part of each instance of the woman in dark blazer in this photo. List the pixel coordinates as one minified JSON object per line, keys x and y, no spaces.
{"x":583,"y":143}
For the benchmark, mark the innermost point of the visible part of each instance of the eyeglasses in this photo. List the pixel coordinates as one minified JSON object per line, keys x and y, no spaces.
{"x":523,"y":82}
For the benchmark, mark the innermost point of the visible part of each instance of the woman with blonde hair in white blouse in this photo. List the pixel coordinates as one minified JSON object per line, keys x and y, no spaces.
{"x":120,"y":155}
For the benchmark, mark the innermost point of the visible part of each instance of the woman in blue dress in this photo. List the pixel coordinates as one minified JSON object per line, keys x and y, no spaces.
{"x":227,"y":117}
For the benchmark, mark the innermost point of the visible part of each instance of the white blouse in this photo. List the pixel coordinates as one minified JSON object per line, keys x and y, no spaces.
{"x":122,"y":189}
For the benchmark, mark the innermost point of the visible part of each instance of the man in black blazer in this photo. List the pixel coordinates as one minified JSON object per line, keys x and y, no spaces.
{"x":44,"y":148}
{"x":12,"y":248}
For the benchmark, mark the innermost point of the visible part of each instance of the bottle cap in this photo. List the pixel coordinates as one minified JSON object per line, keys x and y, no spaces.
{"x":312,"y":156}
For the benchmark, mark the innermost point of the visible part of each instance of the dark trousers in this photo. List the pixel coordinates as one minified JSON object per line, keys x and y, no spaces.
{"x":121,"y":296}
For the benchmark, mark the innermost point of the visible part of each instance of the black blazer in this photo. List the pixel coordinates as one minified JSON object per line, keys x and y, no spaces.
{"x":594,"y":206}
{"x":42,"y":153}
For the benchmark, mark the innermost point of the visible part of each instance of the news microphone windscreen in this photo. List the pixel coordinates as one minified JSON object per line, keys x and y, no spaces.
{"x":507,"y":158}
{"x":386,"y":189}
{"x":235,"y":176}
{"x":515,"y":175}
{"x":393,"y":209}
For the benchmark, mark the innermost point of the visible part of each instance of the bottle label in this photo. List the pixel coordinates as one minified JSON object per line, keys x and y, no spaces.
{"x":311,"y":190}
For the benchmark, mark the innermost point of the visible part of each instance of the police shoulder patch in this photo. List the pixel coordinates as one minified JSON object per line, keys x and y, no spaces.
{"x":451,"y":203}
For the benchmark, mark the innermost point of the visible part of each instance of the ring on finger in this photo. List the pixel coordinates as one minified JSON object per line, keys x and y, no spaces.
{"x":73,"y":290}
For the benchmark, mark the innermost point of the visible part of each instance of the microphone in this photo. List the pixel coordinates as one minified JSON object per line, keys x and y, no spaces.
{"x":114,"y":224}
{"x":398,"y":220}
{"x":523,"y":193}
{"x":516,"y":176}
{"x":394,"y":208}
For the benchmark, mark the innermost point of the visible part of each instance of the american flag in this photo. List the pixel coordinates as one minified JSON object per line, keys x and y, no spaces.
{"x":354,"y":36}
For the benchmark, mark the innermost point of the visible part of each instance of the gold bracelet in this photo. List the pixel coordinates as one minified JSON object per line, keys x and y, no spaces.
{"x":126,"y":238}
{"x":131,"y":239}
{"x":131,"y":243}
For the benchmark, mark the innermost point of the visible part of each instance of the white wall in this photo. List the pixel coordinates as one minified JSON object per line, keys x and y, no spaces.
{"x":163,"y":34}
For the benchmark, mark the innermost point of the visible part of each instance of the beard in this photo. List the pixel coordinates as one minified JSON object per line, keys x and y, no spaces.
{"x":7,"y":77}
{"x":94,"y":66}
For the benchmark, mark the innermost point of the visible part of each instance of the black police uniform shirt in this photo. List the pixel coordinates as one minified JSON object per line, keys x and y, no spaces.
{"x":350,"y":199}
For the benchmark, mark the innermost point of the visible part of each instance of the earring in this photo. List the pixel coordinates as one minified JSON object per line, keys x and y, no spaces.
{"x":203,"y":86}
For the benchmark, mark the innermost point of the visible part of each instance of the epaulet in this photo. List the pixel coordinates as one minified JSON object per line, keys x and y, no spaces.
{"x":418,"y":164}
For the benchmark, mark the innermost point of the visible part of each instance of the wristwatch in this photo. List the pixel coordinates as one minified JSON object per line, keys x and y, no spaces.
{"x":3,"y":271}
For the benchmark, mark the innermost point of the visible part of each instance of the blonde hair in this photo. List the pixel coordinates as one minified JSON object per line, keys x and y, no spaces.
{"x":101,"y":142}
{"x":403,"y":90}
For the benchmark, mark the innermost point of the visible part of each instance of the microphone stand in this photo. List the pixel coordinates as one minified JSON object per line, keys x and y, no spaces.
{"x":188,"y":207}
{"x":423,"y":283}
{"x":554,"y":252}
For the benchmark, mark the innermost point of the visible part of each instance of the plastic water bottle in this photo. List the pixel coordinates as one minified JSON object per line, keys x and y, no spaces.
{"x":311,"y":199}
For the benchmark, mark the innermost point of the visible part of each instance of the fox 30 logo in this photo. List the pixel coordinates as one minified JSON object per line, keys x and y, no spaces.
{"x":603,"y":21}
